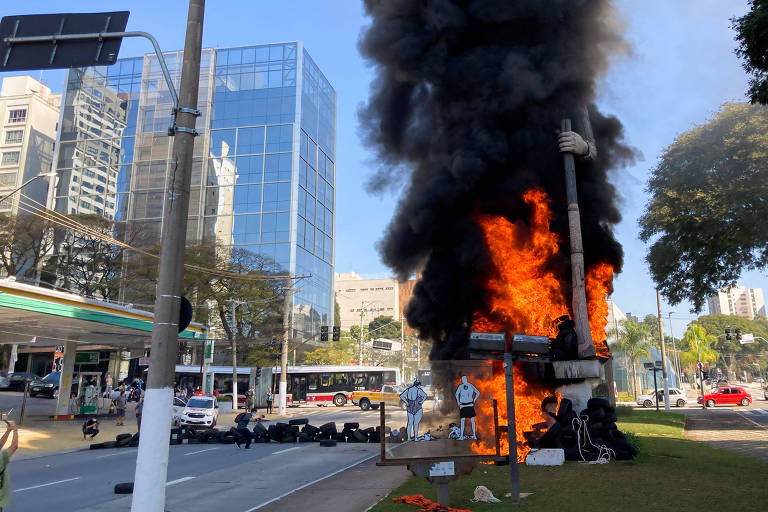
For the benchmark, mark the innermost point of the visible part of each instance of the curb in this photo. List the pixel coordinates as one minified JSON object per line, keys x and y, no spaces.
{"x":39,"y":455}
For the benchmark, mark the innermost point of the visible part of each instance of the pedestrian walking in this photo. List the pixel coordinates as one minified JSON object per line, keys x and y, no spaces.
{"x":90,"y":427}
{"x":269,"y":401}
{"x":139,"y":409}
{"x":244,"y":435}
{"x":5,"y":459}
{"x":120,"y":408}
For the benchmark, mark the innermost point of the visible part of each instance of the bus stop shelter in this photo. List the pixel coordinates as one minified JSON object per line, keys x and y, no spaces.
{"x":60,"y":319}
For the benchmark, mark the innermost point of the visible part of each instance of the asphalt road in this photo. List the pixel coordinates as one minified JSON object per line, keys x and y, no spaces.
{"x":200,"y":476}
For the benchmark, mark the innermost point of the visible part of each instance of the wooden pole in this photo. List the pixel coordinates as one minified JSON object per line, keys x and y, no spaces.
{"x":579,"y":299}
{"x":511,"y":430}
{"x":496,"y":426}
{"x":382,"y":441}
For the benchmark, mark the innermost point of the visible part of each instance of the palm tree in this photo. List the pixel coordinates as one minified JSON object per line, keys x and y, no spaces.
{"x":699,"y":347}
{"x":632,"y":341}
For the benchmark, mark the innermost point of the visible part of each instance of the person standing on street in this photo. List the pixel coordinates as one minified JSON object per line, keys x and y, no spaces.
{"x":5,"y":458}
{"x":120,"y":408}
{"x":139,"y":409}
{"x":269,"y":401}
{"x":250,"y":401}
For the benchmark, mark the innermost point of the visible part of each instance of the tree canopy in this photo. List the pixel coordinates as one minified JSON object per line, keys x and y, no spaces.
{"x":384,"y":327}
{"x":709,"y":201}
{"x":751,"y":30}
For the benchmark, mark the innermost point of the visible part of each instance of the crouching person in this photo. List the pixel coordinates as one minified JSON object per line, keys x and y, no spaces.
{"x":90,"y":427}
{"x":243,"y":434}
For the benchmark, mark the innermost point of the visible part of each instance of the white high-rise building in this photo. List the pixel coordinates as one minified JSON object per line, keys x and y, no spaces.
{"x":739,"y":301}
{"x":365,"y":298}
{"x":29,"y":114}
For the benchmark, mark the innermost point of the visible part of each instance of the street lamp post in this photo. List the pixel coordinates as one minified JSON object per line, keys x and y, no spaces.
{"x":30,"y":180}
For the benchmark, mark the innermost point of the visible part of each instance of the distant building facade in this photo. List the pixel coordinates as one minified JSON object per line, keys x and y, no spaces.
{"x":29,"y":114}
{"x":370,"y":298}
{"x":738,"y":301}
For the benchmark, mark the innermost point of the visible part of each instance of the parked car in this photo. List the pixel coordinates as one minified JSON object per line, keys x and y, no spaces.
{"x":49,"y":386}
{"x":178,"y":409}
{"x":17,"y":380}
{"x":200,"y":411}
{"x":4,"y":382}
{"x":370,"y":398}
{"x":676,"y":397}
{"x":726,"y":396}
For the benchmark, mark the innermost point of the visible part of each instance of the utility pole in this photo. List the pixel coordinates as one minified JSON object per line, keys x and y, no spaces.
{"x":360,"y":342}
{"x":287,"y":330}
{"x":152,"y":460}
{"x":663,"y":353}
{"x":233,"y":338}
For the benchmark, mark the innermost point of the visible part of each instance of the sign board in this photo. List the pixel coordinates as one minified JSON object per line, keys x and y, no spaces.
{"x":442,"y":469}
{"x":700,"y":366}
{"x":382,"y":344}
{"x":208,"y":351}
{"x":87,"y":358}
{"x":492,"y":336}
{"x":747,"y":338}
{"x":648,"y":366}
{"x":658,"y":364}
{"x":144,"y":361}
{"x":66,"y":52}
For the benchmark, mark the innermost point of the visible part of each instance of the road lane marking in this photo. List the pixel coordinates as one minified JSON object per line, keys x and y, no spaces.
{"x":257,"y":507}
{"x":45,"y":485}
{"x":179,"y":480}
{"x":113,"y":454}
{"x":751,"y":420}
{"x":286,"y":450}
{"x":201,"y":451}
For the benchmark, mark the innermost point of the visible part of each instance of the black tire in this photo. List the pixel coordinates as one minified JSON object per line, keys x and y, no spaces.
{"x":124,"y":488}
{"x":711,"y":403}
{"x":97,"y":446}
{"x":598,"y":403}
{"x":110,"y":444}
{"x":214,"y":423}
{"x":647,"y":404}
{"x":375,"y":407}
{"x":745,"y":402}
{"x":681,"y":403}
{"x":328,"y":442}
{"x":123,"y":437}
{"x":298,"y":421}
{"x":360,"y":436}
{"x":352,"y":425}
{"x":365,"y":404}
{"x":339,"y":400}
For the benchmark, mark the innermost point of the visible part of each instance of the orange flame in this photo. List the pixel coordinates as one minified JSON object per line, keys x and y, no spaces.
{"x":527,"y":296}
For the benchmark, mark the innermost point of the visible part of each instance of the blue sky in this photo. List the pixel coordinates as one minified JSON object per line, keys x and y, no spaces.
{"x":681,"y":68}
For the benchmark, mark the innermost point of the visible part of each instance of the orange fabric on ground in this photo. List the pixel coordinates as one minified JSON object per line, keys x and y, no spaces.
{"x":426,"y":505}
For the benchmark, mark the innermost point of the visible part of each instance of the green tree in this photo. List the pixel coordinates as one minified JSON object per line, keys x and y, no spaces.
{"x":753,"y":48}
{"x":706,"y":216}
{"x":23,"y":244}
{"x":336,"y":312}
{"x":384,"y":327}
{"x":652,"y":321}
{"x":632,"y":341}
{"x":335,"y":352}
{"x":732,"y":353}
{"x":699,"y":344}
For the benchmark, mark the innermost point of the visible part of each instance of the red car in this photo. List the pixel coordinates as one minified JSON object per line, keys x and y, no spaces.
{"x":727,"y":396}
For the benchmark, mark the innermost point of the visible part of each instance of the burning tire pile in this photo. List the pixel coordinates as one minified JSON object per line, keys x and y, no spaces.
{"x":589,"y":436}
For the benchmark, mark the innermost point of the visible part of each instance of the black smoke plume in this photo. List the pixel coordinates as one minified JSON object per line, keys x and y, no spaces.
{"x":464,"y":109}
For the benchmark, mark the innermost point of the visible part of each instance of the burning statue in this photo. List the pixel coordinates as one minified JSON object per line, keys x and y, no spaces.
{"x":464,"y":108}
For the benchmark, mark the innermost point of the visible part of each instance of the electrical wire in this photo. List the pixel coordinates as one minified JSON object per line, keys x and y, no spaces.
{"x":55,"y":217}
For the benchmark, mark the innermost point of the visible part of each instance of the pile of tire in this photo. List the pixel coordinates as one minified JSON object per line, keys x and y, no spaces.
{"x":584,"y":443}
{"x":121,"y":440}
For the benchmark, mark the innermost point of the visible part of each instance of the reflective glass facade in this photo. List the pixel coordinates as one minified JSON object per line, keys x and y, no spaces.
{"x":264,"y":165}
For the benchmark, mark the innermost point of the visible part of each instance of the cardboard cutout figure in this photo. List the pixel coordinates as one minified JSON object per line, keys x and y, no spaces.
{"x":414,"y":397}
{"x":466,"y":395}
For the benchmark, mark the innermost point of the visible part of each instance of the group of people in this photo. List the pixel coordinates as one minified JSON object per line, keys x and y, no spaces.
{"x":251,"y":404}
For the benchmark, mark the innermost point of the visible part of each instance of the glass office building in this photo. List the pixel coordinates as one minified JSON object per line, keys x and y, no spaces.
{"x":263,"y":168}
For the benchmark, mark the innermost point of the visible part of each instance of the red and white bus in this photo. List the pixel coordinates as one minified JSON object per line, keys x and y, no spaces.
{"x":325,"y":385}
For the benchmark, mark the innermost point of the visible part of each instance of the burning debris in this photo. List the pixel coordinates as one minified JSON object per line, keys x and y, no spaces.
{"x":464,"y":109}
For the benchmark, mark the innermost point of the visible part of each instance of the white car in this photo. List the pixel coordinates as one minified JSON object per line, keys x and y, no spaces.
{"x":676,"y":397}
{"x":177,"y":408}
{"x":200,"y":411}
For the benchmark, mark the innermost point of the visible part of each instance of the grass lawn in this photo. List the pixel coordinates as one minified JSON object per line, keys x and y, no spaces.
{"x":671,"y":473}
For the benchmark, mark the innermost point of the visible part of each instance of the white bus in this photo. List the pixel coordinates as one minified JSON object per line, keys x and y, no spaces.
{"x":324,"y":385}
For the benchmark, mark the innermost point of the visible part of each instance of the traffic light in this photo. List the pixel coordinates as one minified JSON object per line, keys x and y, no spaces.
{"x":737,"y":335}
{"x":324,"y":333}
{"x":258,"y":372}
{"x":728,"y":335}
{"x":336,"y":333}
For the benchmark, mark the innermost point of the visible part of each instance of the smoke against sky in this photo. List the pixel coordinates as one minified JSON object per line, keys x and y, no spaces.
{"x":465,"y":105}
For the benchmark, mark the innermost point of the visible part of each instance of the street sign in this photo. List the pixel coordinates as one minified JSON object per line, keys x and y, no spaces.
{"x":382,"y":344}
{"x":658,"y":364}
{"x":87,"y":358}
{"x":144,"y":361}
{"x":492,"y":336}
{"x":648,"y":366}
{"x":747,"y":338}
{"x":57,"y":42}
{"x":700,"y":366}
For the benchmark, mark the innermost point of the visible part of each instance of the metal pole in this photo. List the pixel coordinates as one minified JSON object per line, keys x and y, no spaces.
{"x":360,"y":342}
{"x":30,"y":180}
{"x":579,"y":299}
{"x":655,"y":389}
{"x":24,"y":401}
{"x":663,"y":354}
{"x":233,"y":331}
{"x":511,"y":430}
{"x":152,"y":461}
{"x":287,"y":306}
{"x":701,"y":376}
